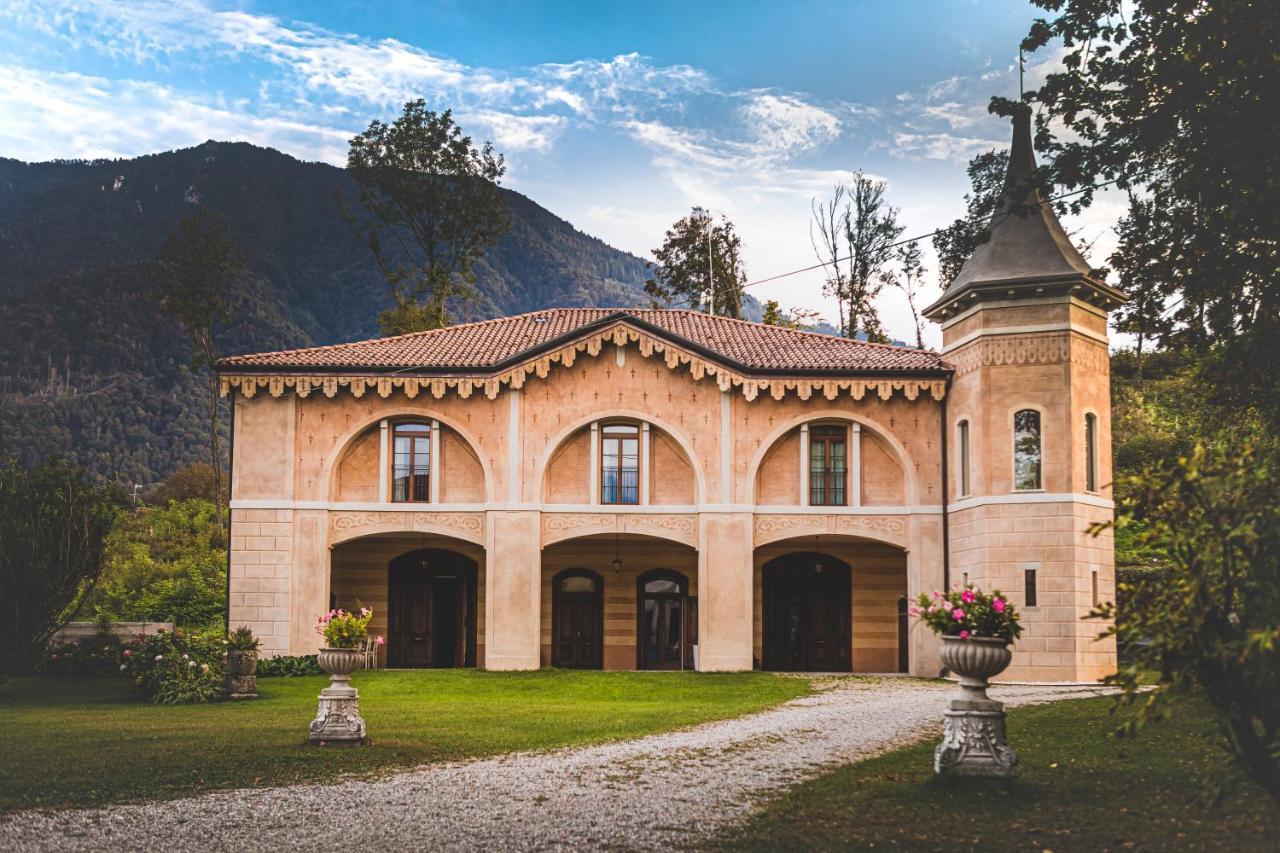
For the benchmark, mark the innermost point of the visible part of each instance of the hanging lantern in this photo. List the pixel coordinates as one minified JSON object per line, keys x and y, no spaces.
{"x":817,"y":564}
{"x":616,"y":562}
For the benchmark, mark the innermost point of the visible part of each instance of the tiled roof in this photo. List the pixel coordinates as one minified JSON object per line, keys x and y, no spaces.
{"x":486,"y":345}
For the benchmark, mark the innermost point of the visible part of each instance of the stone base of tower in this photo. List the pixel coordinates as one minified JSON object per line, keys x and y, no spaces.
{"x":996,"y":542}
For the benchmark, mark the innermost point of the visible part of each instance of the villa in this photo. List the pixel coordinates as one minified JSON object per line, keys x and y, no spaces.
{"x":664,"y":489}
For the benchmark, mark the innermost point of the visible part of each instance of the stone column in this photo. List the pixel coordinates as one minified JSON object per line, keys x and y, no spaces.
{"x":724,"y":591}
{"x":924,"y":574}
{"x":513,"y":574}
{"x":308,"y":580}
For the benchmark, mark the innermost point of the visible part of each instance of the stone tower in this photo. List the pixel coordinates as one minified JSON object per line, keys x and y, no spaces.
{"x":1029,"y":420}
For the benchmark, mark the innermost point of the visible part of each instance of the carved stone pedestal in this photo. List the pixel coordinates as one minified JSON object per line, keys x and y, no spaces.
{"x":973,"y":741}
{"x":338,"y":719}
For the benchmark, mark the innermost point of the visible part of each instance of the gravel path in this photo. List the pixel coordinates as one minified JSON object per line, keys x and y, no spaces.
{"x":661,"y":791}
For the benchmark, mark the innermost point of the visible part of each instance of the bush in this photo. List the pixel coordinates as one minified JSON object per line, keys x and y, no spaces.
{"x":177,"y":668}
{"x":287,"y":666}
{"x":98,"y":655}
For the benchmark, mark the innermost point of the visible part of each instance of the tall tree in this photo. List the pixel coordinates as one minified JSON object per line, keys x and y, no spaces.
{"x":432,"y":207}
{"x":1179,"y":99}
{"x":955,"y":243}
{"x":53,"y":525}
{"x":854,"y":233}
{"x":1141,"y":261}
{"x":805,"y":319}
{"x":907,"y":277}
{"x":197,"y":275}
{"x":699,"y":266}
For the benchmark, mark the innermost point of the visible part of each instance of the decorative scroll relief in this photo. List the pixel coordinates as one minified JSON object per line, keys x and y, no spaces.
{"x":681,"y":527}
{"x":463,"y":525}
{"x":1029,"y":349}
{"x":567,"y":526}
{"x":557,"y":527}
{"x":619,"y":335}
{"x":772,"y":528}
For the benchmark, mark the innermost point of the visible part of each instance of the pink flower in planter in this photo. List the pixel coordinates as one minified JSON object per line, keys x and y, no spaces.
{"x":967,"y":596}
{"x":957,"y":614}
{"x":998,"y":605}
{"x":381,"y":640}
{"x":964,"y":635}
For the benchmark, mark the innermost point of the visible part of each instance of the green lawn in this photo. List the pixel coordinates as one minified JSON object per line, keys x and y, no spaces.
{"x":1080,"y":790}
{"x":88,"y":741}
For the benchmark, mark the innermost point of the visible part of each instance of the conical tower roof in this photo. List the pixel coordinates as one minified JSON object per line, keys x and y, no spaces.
{"x":1026,"y":246}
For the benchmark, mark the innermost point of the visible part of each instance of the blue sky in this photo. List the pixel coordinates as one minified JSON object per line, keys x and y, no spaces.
{"x":616,"y":116}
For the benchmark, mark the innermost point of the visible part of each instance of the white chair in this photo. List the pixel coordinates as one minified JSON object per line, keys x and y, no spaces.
{"x":370,"y":649}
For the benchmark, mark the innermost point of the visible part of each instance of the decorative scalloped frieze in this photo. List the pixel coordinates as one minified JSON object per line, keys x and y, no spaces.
{"x":772,"y":528}
{"x":464,"y":525}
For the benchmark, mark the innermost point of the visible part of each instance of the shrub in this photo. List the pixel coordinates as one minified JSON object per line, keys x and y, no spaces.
{"x":343,"y":630}
{"x":97,"y":655}
{"x":969,"y":612}
{"x":287,"y":666}
{"x":177,"y":668}
{"x":242,"y":640}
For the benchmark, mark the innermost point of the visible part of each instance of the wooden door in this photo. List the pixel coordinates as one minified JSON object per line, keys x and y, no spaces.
{"x":661,"y":621}
{"x":807,"y":614}
{"x":577,"y":620}
{"x":431,"y":598}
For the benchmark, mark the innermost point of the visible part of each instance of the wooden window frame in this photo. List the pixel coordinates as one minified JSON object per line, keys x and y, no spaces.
{"x":411,"y":493}
{"x":620,"y":487}
{"x":827,"y":435}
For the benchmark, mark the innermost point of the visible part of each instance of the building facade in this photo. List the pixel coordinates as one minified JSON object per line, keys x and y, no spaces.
{"x":634,"y":489}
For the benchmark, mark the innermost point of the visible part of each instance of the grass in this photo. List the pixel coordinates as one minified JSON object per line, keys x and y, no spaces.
{"x":1081,"y":789}
{"x":83,"y":742}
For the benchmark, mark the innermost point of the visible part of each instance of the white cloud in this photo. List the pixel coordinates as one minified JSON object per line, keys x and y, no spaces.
{"x":786,"y":125}
{"x":517,"y":132}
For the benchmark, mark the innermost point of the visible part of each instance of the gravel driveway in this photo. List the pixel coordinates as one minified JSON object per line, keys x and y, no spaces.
{"x":660,"y":791}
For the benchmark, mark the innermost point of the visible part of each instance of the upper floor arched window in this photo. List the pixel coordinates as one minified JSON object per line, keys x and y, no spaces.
{"x":411,"y":462}
{"x":1090,"y":452}
{"x":620,"y":463}
{"x":1027,"y":456}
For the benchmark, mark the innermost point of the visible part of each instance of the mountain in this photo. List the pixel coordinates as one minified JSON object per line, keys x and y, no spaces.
{"x":91,"y":370}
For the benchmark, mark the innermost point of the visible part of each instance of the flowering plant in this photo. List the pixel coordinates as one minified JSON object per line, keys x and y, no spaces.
{"x":969,"y":612}
{"x":344,"y":630}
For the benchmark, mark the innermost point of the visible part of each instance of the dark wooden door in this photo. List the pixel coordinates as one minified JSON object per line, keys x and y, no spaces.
{"x":431,"y":610}
{"x":661,"y":621}
{"x":577,"y":620}
{"x":807,"y":614}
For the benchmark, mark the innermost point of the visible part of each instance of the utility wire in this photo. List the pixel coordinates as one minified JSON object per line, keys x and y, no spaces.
{"x":903,"y":242}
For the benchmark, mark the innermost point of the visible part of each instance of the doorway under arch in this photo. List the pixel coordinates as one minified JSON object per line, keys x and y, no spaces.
{"x":807,"y":619}
{"x":431,"y":604}
{"x":577,"y":619}
{"x":666,"y":621}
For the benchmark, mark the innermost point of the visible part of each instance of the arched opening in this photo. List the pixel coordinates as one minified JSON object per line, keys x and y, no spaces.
{"x":666,"y":621}
{"x":431,"y":604}
{"x":577,"y":619}
{"x":807,"y":613}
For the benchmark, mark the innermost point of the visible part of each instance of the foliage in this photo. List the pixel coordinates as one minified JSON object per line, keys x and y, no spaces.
{"x":909,"y":273}
{"x":969,"y":612}
{"x":97,"y":655}
{"x":699,"y":265}
{"x":432,"y":207}
{"x":177,"y":668}
{"x":195,"y":279}
{"x":198,"y":481}
{"x":90,"y":369}
{"x":242,"y":640}
{"x":53,"y":528}
{"x":804,"y":319}
{"x":1176,"y":101}
{"x":164,"y":564}
{"x":1079,"y":792}
{"x":854,"y":233}
{"x":955,"y":243}
{"x":289,"y":666}
{"x":344,"y":630}
{"x":94,"y":743}
{"x":1214,"y":624}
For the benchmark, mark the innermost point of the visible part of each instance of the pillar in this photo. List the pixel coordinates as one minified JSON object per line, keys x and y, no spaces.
{"x":513,"y":575}
{"x":724,"y":592}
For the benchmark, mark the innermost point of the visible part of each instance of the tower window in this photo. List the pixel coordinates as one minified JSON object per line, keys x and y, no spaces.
{"x":1029,"y":577}
{"x":963,"y":459}
{"x":620,"y":464}
{"x":1026,"y":450}
{"x":411,"y":463}
{"x":828,"y":465}
{"x":1091,"y":452}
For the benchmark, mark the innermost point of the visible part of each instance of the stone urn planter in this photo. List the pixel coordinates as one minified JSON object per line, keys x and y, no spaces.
{"x":242,"y":681}
{"x":973,"y":740}
{"x":338,"y":719}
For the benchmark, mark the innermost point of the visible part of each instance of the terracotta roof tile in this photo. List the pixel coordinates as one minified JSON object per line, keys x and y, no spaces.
{"x":479,"y":347}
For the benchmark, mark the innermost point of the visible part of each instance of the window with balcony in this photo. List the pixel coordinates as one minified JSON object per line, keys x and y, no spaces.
{"x":828,"y":465}
{"x":411,"y":462}
{"x":620,"y":463}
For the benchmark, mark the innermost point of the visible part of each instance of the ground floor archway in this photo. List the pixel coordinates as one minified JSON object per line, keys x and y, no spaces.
{"x":427,"y":592}
{"x":830,"y":604}
{"x":666,"y":621}
{"x":577,"y":619}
